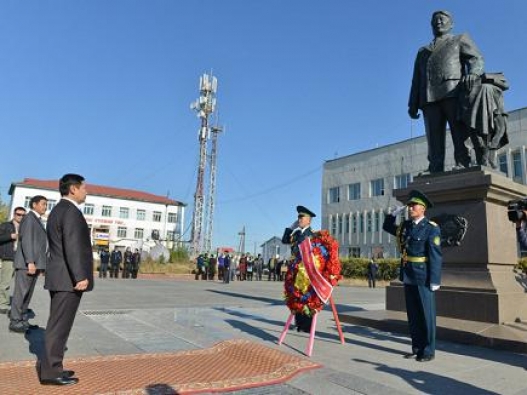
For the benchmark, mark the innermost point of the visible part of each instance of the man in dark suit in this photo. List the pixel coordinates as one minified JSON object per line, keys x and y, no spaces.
{"x":419,"y":242}
{"x":8,"y":246}
{"x":439,"y":69}
{"x":30,"y":261}
{"x":69,"y":274}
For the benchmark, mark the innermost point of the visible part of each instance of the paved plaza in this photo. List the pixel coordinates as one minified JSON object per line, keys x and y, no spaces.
{"x":156,"y":315}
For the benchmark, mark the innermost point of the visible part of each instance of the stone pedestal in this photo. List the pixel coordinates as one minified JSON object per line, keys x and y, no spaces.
{"x":478,"y":282}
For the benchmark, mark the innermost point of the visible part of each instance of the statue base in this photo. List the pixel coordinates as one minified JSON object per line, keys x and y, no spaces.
{"x":478,"y":279}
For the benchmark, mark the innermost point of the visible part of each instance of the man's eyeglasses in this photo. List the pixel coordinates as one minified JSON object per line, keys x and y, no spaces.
{"x":20,"y":214}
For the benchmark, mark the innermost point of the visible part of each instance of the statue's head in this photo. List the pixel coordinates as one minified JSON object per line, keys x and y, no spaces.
{"x":442,"y":23}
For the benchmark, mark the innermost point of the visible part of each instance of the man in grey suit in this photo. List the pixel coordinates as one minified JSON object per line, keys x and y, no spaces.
{"x":442,"y":68}
{"x":30,"y":261}
{"x":69,"y":274}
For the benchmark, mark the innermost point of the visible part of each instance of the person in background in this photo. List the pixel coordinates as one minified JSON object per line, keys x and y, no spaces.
{"x":104,"y":257}
{"x":127,"y":263}
{"x":372,"y":273}
{"x":136,"y":260}
{"x":8,"y":246}
{"x":30,"y":261}
{"x":116,"y":258}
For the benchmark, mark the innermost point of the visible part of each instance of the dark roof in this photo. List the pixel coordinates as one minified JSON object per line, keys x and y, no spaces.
{"x":99,"y":190}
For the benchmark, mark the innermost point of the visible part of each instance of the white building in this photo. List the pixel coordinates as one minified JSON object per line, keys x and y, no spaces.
{"x":357,"y":189}
{"x":116,"y":217}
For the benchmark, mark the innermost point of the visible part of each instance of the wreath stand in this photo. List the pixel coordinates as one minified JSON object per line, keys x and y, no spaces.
{"x":309,"y":349}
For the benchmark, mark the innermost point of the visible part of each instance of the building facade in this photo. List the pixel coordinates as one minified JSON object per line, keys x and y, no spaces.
{"x":116,"y":217}
{"x":357,"y":190}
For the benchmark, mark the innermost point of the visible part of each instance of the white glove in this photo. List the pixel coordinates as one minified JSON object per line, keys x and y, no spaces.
{"x":434,"y":287}
{"x":398,"y":210}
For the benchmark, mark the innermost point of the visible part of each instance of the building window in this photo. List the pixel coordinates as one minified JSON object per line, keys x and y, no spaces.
{"x":368,"y":222}
{"x":51,"y":203}
{"x":353,"y":223}
{"x":354,"y":252}
{"x":124,"y":212}
{"x":171,"y":235}
{"x":340,"y":224}
{"x":347,"y":223}
{"x":354,"y":191}
{"x":377,"y":187}
{"x":377,"y":222}
{"x":502,"y":161}
{"x":361,"y":223}
{"x":156,"y":216}
{"x":88,"y":209}
{"x":333,"y":226}
{"x":517,"y":172}
{"x":141,"y":215}
{"x":106,"y":211}
{"x":172,"y":218}
{"x":138,"y":233}
{"x":334,"y":195}
{"x":121,"y":232}
{"x":27,"y":200}
{"x":402,"y":181}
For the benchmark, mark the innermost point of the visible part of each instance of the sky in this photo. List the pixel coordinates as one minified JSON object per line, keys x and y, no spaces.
{"x":103,"y":88}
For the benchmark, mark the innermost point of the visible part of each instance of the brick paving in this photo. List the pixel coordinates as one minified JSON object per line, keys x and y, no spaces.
{"x":229,"y":365}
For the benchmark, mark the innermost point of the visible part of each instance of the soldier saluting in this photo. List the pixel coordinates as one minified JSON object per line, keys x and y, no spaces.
{"x":419,"y":240}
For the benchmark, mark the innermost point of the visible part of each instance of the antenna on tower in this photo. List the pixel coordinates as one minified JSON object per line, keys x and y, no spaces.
{"x":204,"y":106}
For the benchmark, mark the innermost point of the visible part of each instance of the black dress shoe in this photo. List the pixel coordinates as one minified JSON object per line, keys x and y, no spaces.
{"x":410,"y":355}
{"x":425,"y":358}
{"x":68,"y":373}
{"x":60,"y":381}
{"x":17,"y":327}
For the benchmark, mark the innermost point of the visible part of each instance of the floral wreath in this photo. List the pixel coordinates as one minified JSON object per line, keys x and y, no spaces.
{"x":299,"y":294}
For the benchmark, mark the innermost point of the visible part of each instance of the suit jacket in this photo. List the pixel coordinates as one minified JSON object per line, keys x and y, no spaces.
{"x":418,"y":241}
{"x":439,"y":68}
{"x":6,"y":242}
{"x":70,"y":250}
{"x":32,"y":243}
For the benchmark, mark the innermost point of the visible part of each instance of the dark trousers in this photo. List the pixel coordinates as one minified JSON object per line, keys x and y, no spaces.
{"x":436,"y":117}
{"x":226,"y":275}
{"x":421,"y":312}
{"x":371,"y":280}
{"x":22,"y":293}
{"x":114,"y":270}
{"x":63,"y":308}
{"x":103,"y":270}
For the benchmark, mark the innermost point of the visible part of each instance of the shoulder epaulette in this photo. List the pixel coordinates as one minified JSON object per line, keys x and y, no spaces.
{"x":433,"y":223}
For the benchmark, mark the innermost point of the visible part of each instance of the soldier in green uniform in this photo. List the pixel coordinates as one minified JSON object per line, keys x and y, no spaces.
{"x":419,"y":241}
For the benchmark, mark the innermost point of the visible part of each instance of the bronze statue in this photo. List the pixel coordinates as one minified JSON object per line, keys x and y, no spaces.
{"x":442,"y":69}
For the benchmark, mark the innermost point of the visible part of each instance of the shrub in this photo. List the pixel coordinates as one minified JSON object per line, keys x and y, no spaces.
{"x":358,"y":268}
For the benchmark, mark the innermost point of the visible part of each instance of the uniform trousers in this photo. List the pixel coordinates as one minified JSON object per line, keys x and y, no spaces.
{"x":436,"y":116}
{"x":22,"y":293}
{"x":6,"y":276}
{"x":62,"y":311}
{"x":421,"y":312}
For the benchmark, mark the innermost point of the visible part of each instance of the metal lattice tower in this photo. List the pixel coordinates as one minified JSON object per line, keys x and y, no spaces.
{"x":212,"y":188}
{"x":204,"y":107}
{"x":241,"y":246}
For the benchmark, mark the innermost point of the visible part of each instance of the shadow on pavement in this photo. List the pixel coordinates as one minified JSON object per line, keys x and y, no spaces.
{"x":429,"y":383}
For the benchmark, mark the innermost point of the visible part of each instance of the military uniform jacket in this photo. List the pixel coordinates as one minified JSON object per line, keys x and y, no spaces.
{"x":417,"y":242}
{"x":295,"y":237}
{"x":438,"y":69}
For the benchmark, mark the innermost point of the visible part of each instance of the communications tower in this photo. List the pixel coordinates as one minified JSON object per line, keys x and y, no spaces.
{"x":215,"y":130}
{"x":204,"y":106}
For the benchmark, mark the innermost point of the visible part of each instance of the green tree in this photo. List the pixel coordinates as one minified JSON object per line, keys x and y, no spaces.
{"x":4,"y":211}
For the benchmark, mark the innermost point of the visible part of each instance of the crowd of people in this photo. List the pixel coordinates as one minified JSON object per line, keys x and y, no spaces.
{"x":128,"y":263}
{"x":228,"y":267}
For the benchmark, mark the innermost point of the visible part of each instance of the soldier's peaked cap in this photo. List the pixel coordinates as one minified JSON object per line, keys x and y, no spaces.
{"x":419,"y":197}
{"x":304,"y":212}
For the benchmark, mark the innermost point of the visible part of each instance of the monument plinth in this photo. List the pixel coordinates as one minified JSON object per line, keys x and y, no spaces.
{"x":482,"y":300}
{"x":478,"y":281}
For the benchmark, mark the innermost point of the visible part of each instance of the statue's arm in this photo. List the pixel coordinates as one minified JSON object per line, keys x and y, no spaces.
{"x":413,"y":101}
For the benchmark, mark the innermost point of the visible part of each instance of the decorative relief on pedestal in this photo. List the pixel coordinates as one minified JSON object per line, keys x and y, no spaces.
{"x":453,"y":229}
